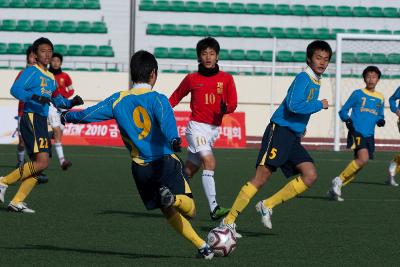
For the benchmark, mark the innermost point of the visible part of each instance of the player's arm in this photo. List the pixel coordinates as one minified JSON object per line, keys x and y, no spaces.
{"x":18,"y":89}
{"x":69,"y":88}
{"x":180,"y":92}
{"x":393,"y":99}
{"x":296,"y":100}
{"x":231,"y":98}
{"x":380,"y":119}
{"x":344,"y":111}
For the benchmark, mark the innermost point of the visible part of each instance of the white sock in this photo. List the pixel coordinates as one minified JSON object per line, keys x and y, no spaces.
{"x":207,"y":179}
{"x":21,"y":156}
{"x":392,"y":169}
{"x":60,"y":152}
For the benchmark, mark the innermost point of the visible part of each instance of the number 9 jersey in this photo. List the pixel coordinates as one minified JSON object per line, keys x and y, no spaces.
{"x":144,"y":117}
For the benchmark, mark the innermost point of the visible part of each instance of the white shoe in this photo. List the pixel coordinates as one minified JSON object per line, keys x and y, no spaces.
{"x":337,"y":186}
{"x":3,"y":189}
{"x":389,"y":181}
{"x":231,"y":227}
{"x":20,"y":207}
{"x":333,"y":196}
{"x":266,"y":214}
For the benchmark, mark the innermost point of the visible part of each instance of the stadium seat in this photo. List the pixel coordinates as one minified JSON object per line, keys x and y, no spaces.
{"x":229,"y":31}
{"x":105,"y":51}
{"x":322,"y":33}
{"x":96,"y":69}
{"x":190,"y":53}
{"x":81,"y":69}
{"x":207,"y":7}
{"x":397,"y":32}
{"x":4,"y":3}
{"x":224,"y":54}
{"x":161,"y":5}
{"x":60,"y":48}
{"x":336,"y":31}
{"x":92,"y":4}
{"x":46,"y":3}
{"x":360,"y":11}
{"x":214,"y":30}
{"x":238,"y":54}
{"x":176,"y":52}
{"x":24,"y":25}
{"x":283,"y":9}
{"x":99,"y":27}
{"x":277,"y":32}
{"x":74,"y":50}
{"x":375,"y":11}
{"x":253,"y":55}
{"x":76,"y":4}
{"x":83,"y":27}
{"x":146,"y":5}
{"x":292,"y":33}
{"x":3,"y":48}
{"x":17,"y":3}
{"x":168,"y":71}
{"x":237,"y":8}
{"x":284,"y":56}
{"x":384,"y":32}
{"x":232,"y":72}
{"x":363,"y":57}
{"x":299,"y":10}
{"x":169,"y":29}
{"x":344,"y":11}
{"x":54,"y":26}
{"x":26,"y":46}
{"x":61,"y":4}
{"x":161,"y":52}
{"x":114,"y":69}
{"x":15,"y":49}
{"x":369,"y":31}
{"x":353,"y":31}
{"x":261,"y":32}
{"x":379,"y":58}
{"x":32,"y":3}
{"x":329,"y":10}
{"x":39,"y":26}
{"x":390,"y":12}
{"x":252,"y":8}
{"x":266,"y":55}
{"x":307,"y":33}
{"x":89,"y":50}
{"x":9,"y":25}
{"x":177,"y":6}
{"x":314,"y":10}
{"x":68,"y":26}
{"x":222,"y":7}
{"x":392,"y":58}
{"x":245,"y":31}
{"x":348,"y":57}
{"x":267,"y":9}
{"x":192,"y":6}
{"x":261,"y":73}
{"x":184,"y":30}
{"x":299,"y":56}
{"x":183,"y":71}
{"x":200,"y":30}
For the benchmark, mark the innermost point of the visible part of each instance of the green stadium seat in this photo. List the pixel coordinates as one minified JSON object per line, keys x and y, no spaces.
{"x":105,"y":51}
{"x":176,"y":52}
{"x":97,"y":69}
{"x":83,"y":27}
{"x":392,"y":58}
{"x":237,"y":8}
{"x":177,"y":6}
{"x":375,"y":11}
{"x":284,"y":56}
{"x":336,"y":31}
{"x":89,"y":50}
{"x":17,"y":3}
{"x":329,"y":10}
{"x":348,"y":57}
{"x":15,"y":49}
{"x":266,"y":55}
{"x":360,"y":11}
{"x":39,"y":26}
{"x":379,"y":58}
{"x":395,"y":76}
{"x":307,"y":33}
{"x":229,"y":31}
{"x":161,"y":52}
{"x":222,"y":7}
{"x":261,"y":32}
{"x":299,"y":10}
{"x":384,"y":32}
{"x":396,"y":32}
{"x":314,"y":10}
{"x":322,"y":33}
{"x":92,"y":4}
{"x":24,"y":25}
{"x":168,"y":71}
{"x":190,"y":53}
{"x":9,"y":25}
{"x":353,"y":31}
{"x":54,"y":26}
{"x":184,"y":30}
{"x":74,"y":50}
{"x":19,"y":68}
{"x":224,"y":54}
{"x":146,"y":5}
{"x":99,"y":27}
{"x":369,"y":31}
{"x":292,"y":33}
{"x":299,"y":56}
{"x":76,"y":4}
{"x":238,"y":54}
{"x":363,"y":57}
{"x":183,"y":71}
{"x":214,"y":30}
{"x":32,"y":3}
{"x":169,"y":29}
{"x":161,"y":5}
{"x":3,"y":48}
{"x":26,"y":46}
{"x":344,"y":11}
{"x":67,"y":69}
{"x":252,"y":8}
{"x":260,"y":73}
{"x":4,"y":3}
{"x":192,"y":6}
{"x":46,"y":3}
{"x":253,"y":55}
{"x":200,"y":30}
{"x":81,"y":69}
{"x":245,"y":31}
{"x":60,"y":48}
{"x":283,"y":9}
{"x":207,"y":7}
{"x":277,"y":32}
{"x":114,"y":69}
{"x":61,"y":4}
{"x":68,"y":26}
{"x":232,"y":72}
{"x":390,"y":12}
{"x":267,"y":9}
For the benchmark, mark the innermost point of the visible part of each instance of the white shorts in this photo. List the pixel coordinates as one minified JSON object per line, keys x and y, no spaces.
{"x":54,"y":118}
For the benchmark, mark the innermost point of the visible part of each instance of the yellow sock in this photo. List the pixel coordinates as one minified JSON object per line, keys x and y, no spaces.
{"x":290,"y":190}
{"x":246,"y":193}
{"x":349,"y":172}
{"x":183,"y":227}
{"x":397,"y":159}
{"x":22,"y":173}
{"x":24,"y":189}
{"x":185,"y":205}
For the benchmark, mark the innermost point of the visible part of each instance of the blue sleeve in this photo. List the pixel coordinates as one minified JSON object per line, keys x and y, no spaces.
{"x":165,"y":117}
{"x":296,"y":100}
{"x":344,"y":112}
{"x":100,"y":112}
{"x":61,"y":102}
{"x":18,"y":89}
{"x":381,"y":110}
{"x":393,"y":99}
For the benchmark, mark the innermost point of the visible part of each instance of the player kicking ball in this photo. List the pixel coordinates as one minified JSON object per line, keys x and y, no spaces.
{"x":281,"y":147}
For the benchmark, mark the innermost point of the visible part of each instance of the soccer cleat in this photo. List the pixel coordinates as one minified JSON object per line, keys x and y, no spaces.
{"x":266,"y":214}
{"x":20,"y":207}
{"x":390,"y":181}
{"x":3,"y":189}
{"x":333,"y":196}
{"x":218,"y":213}
{"x":65,"y":165}
{"x":205,"y":252}
{"x":231,"y":227}
{"x":337,"y":186}
{"x":166,"y":197}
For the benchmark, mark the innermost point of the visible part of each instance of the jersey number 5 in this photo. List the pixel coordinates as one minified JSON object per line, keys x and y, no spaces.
{"x":272,"y":154}
{"x":142,"y":120}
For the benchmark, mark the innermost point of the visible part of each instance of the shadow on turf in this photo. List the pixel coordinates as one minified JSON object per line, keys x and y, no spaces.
{"x":368,"y":183}
{"x":130,"y":213}
{"x":244,"y":233}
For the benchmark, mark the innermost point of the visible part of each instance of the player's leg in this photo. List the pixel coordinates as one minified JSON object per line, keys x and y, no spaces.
{"x":55,"y":123}
{"x":192,"y":164}
{"x":394,"y":168}
{"x":20,"y":147}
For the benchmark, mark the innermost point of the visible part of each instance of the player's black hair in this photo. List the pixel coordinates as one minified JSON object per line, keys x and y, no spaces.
{"x":58,"y":55}
{"x":318,"y":45}
{"x":142,"y":64}
{"x":41,"y":41}
{"x":205,"y":43}
{"x":371,"y":69}
{"x":28,"y":52}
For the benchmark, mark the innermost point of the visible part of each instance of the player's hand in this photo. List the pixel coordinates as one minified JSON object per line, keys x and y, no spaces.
{"x":325,"y":104}
{"x":349,"y":125}
{"x":223,"y":107}
{"x":176,"y":144}
{"x":76,"y":101}
{"x":381,"y":123}
{"x":63,"y":117}
{"x":41,"y":99}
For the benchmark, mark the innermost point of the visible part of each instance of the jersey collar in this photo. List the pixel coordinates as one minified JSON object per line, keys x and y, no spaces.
{"x":141,"y":88}
{"x":312,"y":74}
{"x":45,"y":72}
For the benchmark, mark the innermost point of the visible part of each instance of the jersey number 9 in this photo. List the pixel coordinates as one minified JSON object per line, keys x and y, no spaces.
{"x":142,"y":121}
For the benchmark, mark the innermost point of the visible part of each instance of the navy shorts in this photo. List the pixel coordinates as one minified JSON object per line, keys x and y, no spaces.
{"x":34,"y":132}
{"x":281,"y":148}
{"x":356,"y":142}
{"x":166,"y":171}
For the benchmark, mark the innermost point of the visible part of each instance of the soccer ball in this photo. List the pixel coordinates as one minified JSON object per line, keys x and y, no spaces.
{"x":222,"y":241}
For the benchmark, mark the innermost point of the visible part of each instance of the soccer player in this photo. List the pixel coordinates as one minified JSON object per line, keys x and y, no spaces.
{"x":213,"y":94}
{"x":34,"y":87}
{"x":281,"y":147}
{"x":148,"y":128}
{"x":65,"y":89}
{"x":367,"y":107}
{"x":394,"y":166}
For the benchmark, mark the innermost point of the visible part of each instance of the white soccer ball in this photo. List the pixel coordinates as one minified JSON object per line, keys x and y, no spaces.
{"x":222,"y":241}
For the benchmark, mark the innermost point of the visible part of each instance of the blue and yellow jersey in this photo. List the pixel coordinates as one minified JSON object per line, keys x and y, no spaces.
{"x":300,"y":102}
{"x":393,"y":99}
{"x":366,"y":109}
{"x":36,"y":81}
{"x":144,"y":117}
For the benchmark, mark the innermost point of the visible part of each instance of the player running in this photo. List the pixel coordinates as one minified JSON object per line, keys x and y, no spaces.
{"x":394,"y":166}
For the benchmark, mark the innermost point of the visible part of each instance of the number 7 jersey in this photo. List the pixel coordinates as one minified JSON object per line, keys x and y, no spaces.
{"x":144,"y":117}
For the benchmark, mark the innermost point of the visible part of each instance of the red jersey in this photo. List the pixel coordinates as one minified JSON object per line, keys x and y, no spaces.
{"x":64,"y":85}
{"x":206,"y":96}
{"x":20,"y":103}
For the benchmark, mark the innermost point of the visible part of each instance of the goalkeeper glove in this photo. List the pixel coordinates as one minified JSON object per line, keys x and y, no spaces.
{"x":41,"y":99}
{"x":76,"y":101}
{"x":349,"y":125}
{"x":223,"y":107}
{"x":176,"y":144}
{"x":381,"y":123}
